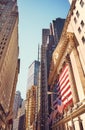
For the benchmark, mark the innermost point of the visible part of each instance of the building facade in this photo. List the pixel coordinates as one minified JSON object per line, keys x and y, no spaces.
{"x":33,"y":74}
{"x":9,"y":63}
{"x":50,"y":38}
{"x":31,"y":108}
{"x":19,"y":122}
{"x":33,"y":80}
{"x":44,"y":101}
{"x":55,"y":32}
{"x":56,"y":28}
{"x":17,"y":104}
{"x":67,"y":72}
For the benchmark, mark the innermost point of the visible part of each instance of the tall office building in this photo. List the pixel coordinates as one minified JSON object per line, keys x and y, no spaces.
{"x":31,"y":108}
{"x":33,"y":74}
{"x":50,"y":38}
{"x":17,"y":104}
{"x":22,"y":117}
{"x":19,"y":122}
{"x":9,"y":63}
{"x":56,"y":28}
{"x":32,"y":87}
{"x":44,"y":103}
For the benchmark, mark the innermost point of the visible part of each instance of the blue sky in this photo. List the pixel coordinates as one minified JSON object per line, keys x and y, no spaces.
{"x":34,"y":15}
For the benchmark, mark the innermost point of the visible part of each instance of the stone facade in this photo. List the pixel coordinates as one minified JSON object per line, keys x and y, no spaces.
{"x":70,"y":50}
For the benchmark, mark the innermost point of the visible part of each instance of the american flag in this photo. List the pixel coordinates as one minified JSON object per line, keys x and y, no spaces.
{"x":60,"y":106}
{"x":63,"y":91}
{"x":65,"y":87}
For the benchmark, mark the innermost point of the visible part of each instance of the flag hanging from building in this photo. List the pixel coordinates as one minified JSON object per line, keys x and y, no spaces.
{"x":65,"y":87}
{"x":63,"y":91}
{"x":60,"y":106}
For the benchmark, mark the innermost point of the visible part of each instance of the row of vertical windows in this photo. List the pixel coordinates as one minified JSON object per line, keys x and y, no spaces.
{"x":2,"y":45}
{"x":82,"y":25}
{"x":3,"y":42}
{"x":82,"y":22}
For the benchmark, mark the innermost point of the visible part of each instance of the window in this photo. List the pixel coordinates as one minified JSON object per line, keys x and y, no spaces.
{"x":83,"y":39}
{"x":1,"y":53}
{"x":79,"y":30}
{"x":2,"y":47}
{"x":82,"y":23}
{"x":4,"y":43}
{"x":75,"y":20}
{"x":81,"y":3}
{"x":77,"y":13}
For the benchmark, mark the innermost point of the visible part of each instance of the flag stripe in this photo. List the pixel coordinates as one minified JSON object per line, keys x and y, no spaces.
{"x":67,"y":97}
{"x":67,"y":104}
{"x":65,"y":87}
{"x":63,"y":72}
{"x":65,"y":90}
{"x":63,"y":79}
{"x":66,"y":84}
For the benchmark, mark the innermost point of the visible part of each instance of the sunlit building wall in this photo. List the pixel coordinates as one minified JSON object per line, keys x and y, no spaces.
{"x":77,"y":26}
{"x":70,"y":51}
{"x":30,"y":107}
{"x":9,"y":63}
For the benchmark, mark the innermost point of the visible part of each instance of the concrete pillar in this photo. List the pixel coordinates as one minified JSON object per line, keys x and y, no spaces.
{"x":78,"y":73}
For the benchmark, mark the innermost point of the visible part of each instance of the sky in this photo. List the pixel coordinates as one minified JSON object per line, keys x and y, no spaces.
{"x":35,"y":15}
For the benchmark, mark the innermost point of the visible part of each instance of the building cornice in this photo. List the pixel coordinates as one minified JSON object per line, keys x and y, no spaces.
{"x":64,"y":47}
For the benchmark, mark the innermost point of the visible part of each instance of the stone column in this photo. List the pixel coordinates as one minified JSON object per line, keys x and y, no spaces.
{"x":72,"y":81}
{"x":78,"y":73}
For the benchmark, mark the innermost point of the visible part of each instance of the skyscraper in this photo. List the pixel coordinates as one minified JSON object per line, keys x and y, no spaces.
{"x":32,"y":94}
{"x":50,"y":38}
{"x":56,"y":28}
{"x":17,"y":104}
{"x":44,"y":103}
{"x":31,"y":107}
{"x":9,"y":63}
{"x":33,"y":74}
